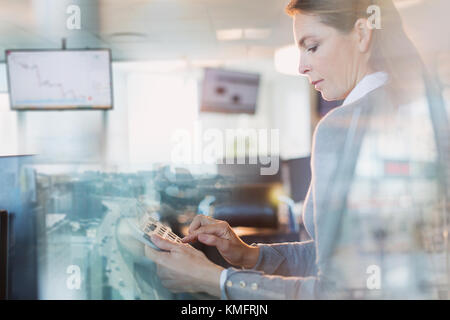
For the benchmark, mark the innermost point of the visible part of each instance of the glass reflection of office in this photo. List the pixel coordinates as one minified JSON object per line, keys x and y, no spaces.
{"x":390,"y":242}
{"x":86,"y":248}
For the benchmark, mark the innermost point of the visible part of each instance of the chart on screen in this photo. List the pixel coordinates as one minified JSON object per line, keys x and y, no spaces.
{"x":60,"y":79}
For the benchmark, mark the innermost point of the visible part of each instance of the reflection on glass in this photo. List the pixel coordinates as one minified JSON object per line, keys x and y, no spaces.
{"x":87,"y":250}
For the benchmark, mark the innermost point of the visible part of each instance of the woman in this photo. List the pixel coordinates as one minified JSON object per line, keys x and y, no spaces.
{"x":345,"y":57}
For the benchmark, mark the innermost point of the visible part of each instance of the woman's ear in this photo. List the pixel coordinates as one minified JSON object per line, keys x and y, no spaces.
{"x":363,"y":34}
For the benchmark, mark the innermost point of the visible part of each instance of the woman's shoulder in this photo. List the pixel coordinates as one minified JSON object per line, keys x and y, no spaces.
{"x":342,"y":115}
{"x":331,"y":131}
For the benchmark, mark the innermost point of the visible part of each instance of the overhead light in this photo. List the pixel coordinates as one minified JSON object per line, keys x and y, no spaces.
{"x":402,"y":4}
{"x":128,"y":37}
{"x":286,"y":60}
{"x":239,"y":34}
{"x":229,"y":34}
{"x":257,"y":33}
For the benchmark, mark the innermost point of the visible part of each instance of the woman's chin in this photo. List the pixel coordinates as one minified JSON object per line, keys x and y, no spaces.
{"x":327,"y":96}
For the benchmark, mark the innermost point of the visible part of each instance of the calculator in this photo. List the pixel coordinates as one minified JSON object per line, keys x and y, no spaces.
{"x":147,"y":226}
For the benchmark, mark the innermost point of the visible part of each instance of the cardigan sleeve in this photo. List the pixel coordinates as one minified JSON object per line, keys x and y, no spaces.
{"x":287,"y":259}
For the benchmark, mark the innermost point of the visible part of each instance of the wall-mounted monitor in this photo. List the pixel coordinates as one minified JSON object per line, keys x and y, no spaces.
{"x":60,"y":79}
{"x":229,"y":91}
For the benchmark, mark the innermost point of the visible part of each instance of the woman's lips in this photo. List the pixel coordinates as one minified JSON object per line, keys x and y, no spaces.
{"x":315,"y":83}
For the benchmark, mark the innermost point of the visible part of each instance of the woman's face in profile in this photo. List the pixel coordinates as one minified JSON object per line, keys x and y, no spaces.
{"x":330,"y":59}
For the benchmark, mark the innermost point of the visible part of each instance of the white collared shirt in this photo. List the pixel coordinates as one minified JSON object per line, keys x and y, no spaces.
{"x":369,"y":83}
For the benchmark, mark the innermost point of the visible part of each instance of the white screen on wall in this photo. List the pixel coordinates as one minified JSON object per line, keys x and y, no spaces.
{"x":64,"y":79}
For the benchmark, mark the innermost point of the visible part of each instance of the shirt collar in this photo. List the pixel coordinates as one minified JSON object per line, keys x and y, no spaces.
{"x":369,"y":83}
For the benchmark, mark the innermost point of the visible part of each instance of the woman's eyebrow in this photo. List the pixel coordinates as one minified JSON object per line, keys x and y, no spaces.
{"x":301,"y":42}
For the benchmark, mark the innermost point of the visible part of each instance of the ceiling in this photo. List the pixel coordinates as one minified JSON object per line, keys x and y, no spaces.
{"x":181,"y":29}
{"x":148,"y":29}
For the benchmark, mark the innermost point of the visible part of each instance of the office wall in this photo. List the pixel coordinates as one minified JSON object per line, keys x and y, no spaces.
{"x":290,"y":113}
{"x":148,"y":108}
{"x":8,"y":128}
{"x":159,"y":105}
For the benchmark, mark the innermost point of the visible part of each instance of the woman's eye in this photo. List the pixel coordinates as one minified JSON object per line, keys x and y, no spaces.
{"x":312,"y":49}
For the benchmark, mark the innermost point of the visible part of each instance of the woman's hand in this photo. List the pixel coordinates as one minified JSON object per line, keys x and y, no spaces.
{"x":183,"y":268}
{"x":218,"y":233}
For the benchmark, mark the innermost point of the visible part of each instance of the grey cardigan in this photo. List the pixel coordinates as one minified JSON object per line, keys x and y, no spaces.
{"x":304,"y":270}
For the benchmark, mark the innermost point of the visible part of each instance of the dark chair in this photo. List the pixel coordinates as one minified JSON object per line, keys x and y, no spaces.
{"x":4,"y":240}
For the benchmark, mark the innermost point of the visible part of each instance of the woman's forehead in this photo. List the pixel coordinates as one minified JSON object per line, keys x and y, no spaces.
{"x":307,"y":21}
{"x":306,"y":25}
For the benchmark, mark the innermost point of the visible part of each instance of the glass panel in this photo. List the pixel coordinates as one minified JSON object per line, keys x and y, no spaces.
{"x":82,"y":241}
{"x":386,"y":226}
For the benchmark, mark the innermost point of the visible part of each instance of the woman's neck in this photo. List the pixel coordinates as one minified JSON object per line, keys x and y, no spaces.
{"x":369,"y":82}
{"x":359,"y":76}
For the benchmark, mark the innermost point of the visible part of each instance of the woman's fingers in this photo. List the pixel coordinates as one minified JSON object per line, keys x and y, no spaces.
{"x":212,"y":240}
{"x":162,"y":243}
{"x":218,"y":229}
{"x":200,"y":220}
{"x":155,"y":255}
{"x":197,"y":222}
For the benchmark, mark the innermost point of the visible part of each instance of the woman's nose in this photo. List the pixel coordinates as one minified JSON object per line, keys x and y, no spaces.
{"x":303,"y":67}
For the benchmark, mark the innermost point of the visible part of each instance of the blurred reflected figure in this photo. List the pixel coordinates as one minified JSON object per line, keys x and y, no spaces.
{"x":376,"y":209}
